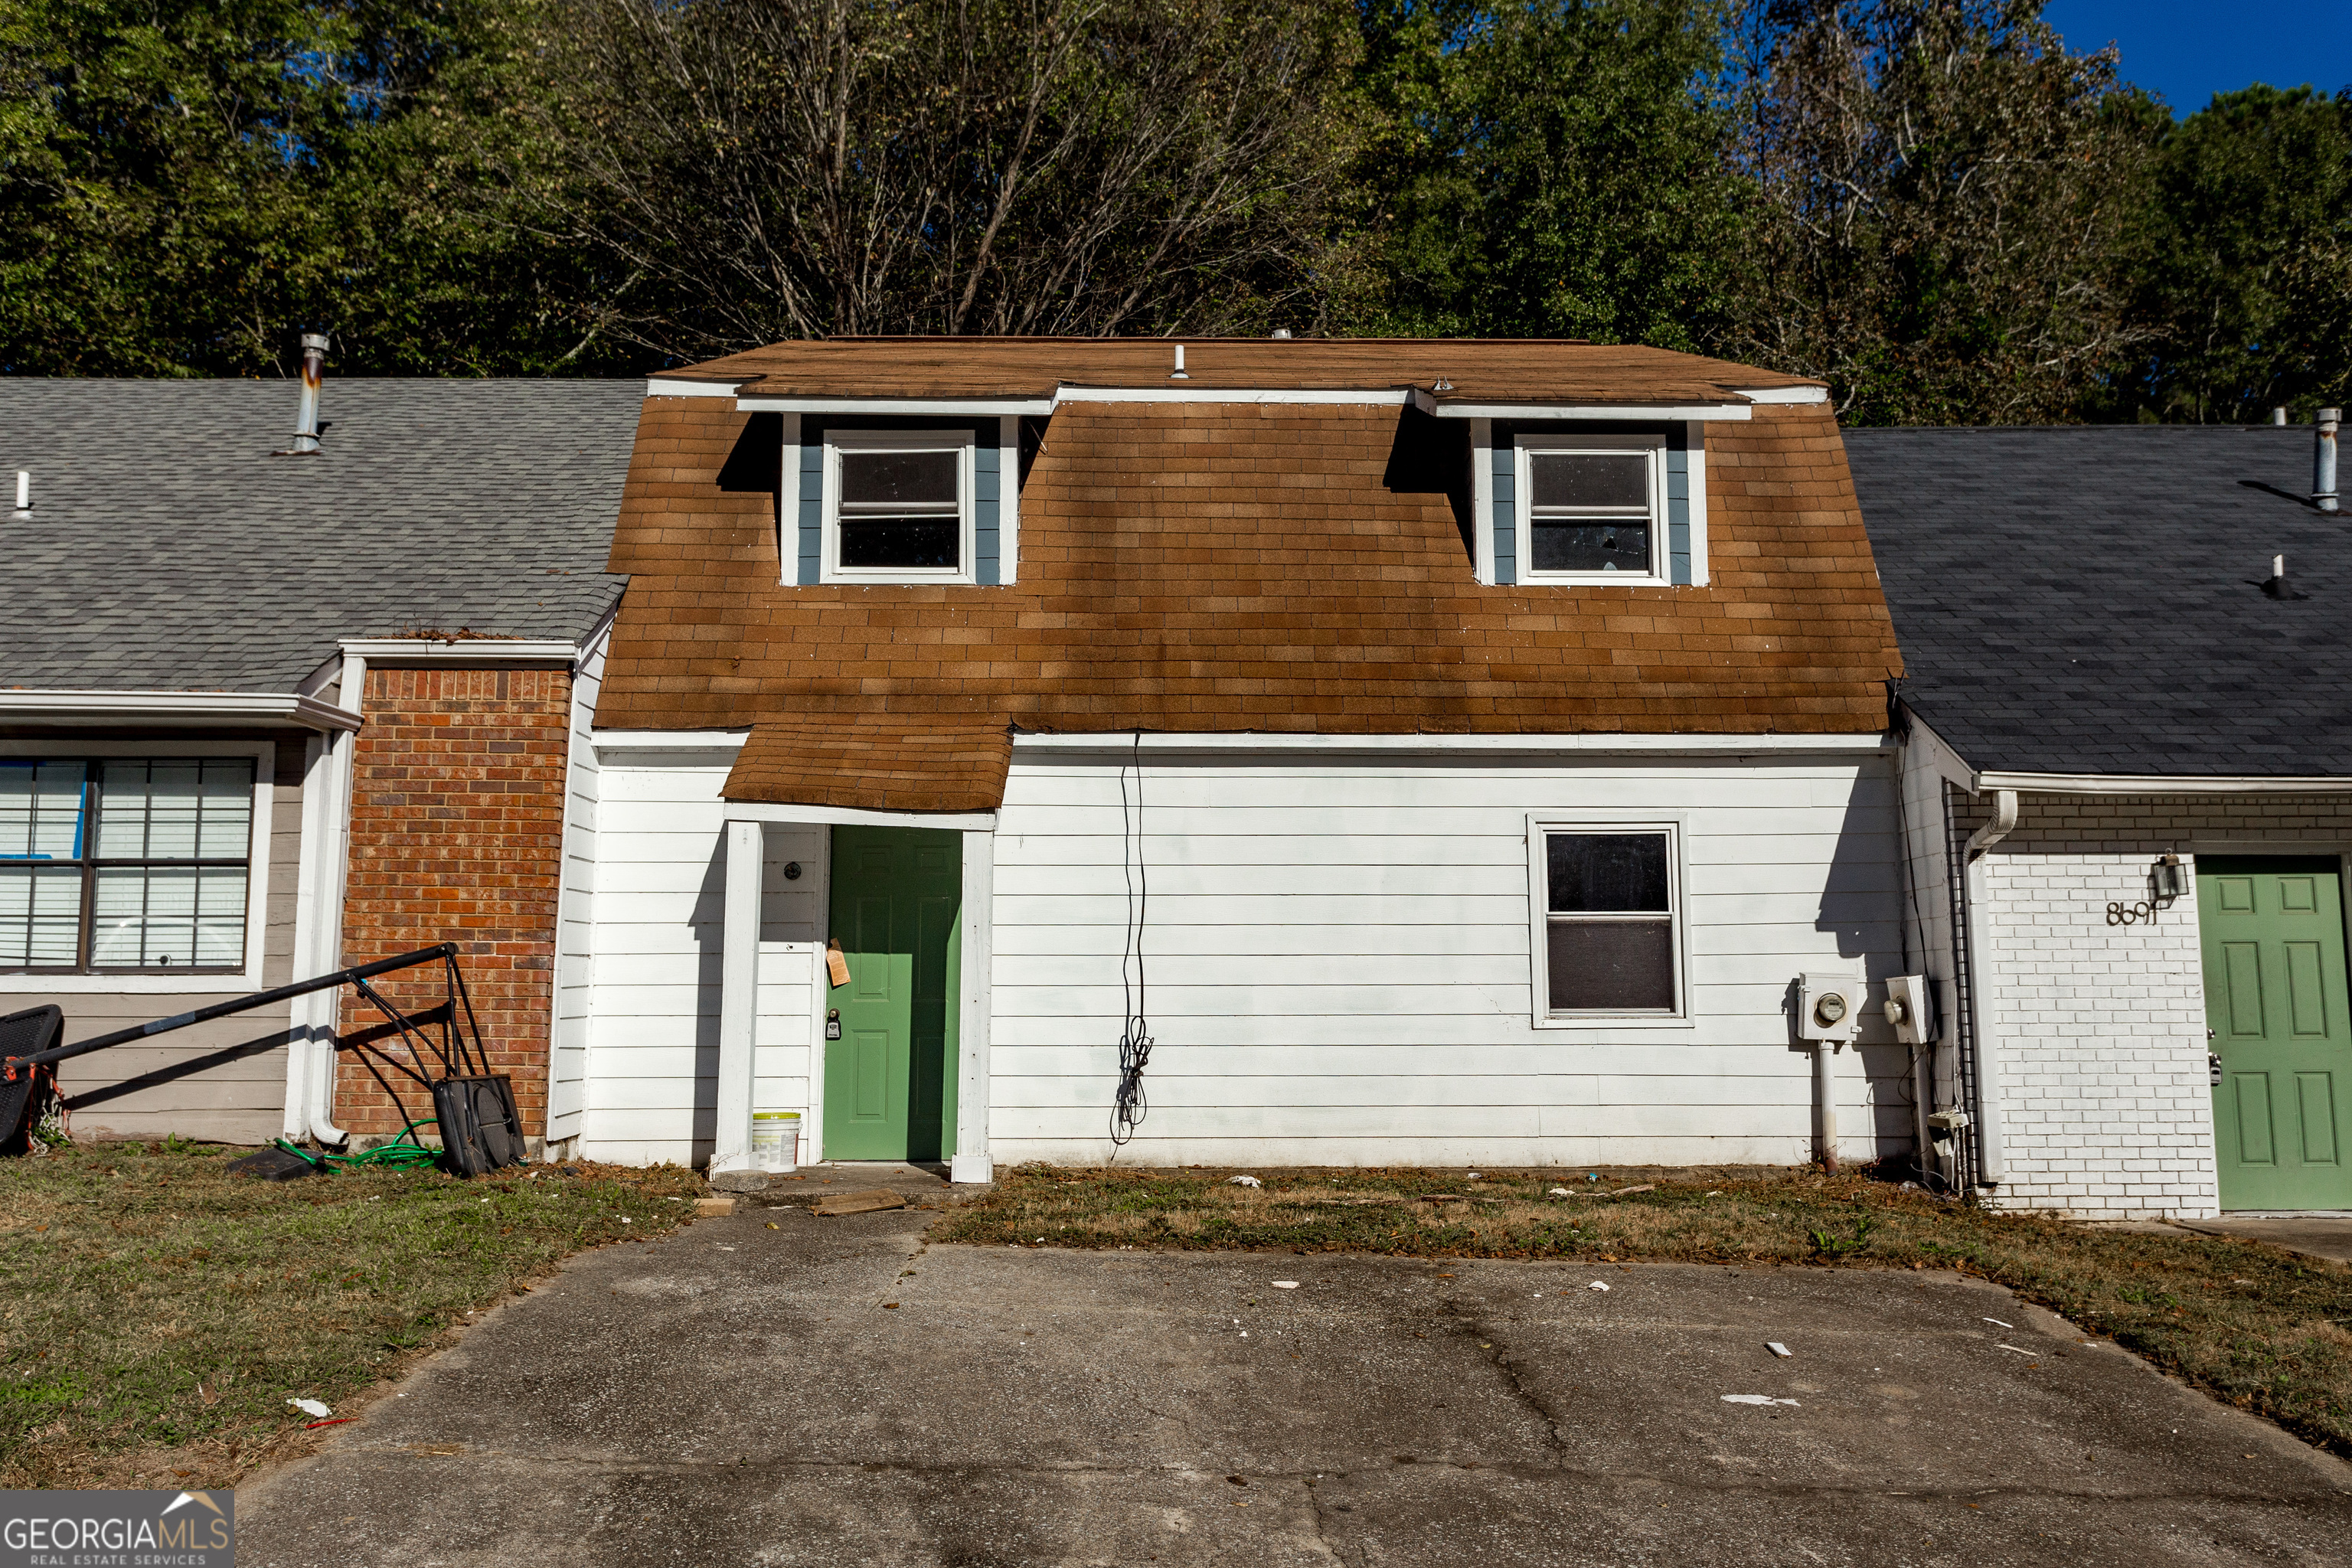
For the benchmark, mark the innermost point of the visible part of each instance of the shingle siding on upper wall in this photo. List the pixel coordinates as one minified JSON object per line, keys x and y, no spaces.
{"x":1196,"y":567}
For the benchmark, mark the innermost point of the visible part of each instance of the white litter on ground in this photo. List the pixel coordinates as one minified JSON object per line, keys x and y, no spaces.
{"x":1776,"y":1348}
{"x":1285,"y":1284}
{"x":1560,"y":1192}
{"x":1244,"y":1182}
{"x":310,"y":1407}
{"x":1997,"y":1346}
{"x":1597,"y":1285}
{"x":1997,"y":1323}
{"x":1754,"y":1399}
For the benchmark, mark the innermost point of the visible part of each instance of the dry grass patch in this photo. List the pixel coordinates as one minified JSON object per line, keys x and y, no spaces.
{"x":156,"y":1312}
{"x":2252,"y":1324}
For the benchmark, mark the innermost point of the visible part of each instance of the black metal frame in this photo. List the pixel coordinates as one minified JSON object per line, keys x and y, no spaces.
{"x":90,"y":863}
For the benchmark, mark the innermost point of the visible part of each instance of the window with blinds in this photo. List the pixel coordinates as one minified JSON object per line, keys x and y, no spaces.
{"x":125,"y":864}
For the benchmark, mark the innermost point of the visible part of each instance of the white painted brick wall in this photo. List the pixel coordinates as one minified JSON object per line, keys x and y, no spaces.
{"x":2108,"y":1104}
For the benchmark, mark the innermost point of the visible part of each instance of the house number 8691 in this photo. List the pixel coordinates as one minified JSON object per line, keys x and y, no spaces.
{"x":2130,"y":914}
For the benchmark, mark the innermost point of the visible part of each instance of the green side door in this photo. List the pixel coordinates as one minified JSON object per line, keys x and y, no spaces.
{"x":2272,"y":929}
{"x":889,"y":1083}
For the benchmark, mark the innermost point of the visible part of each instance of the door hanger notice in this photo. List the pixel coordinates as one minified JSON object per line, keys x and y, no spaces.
{"x":835,"y":965}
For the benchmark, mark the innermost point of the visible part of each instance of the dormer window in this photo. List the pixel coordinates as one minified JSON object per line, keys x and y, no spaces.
{"x":1596,"y":509}
{"x":898,"y":506}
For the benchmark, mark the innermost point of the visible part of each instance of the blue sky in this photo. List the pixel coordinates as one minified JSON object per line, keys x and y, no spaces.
{"x":2190,"y":49}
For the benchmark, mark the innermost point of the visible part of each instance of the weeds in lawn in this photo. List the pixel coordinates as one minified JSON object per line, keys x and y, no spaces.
{"x":2261,"y":1328}
{"x":156,"y":1312}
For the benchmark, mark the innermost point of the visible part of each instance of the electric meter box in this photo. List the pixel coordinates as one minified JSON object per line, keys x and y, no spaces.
{"x":1911,"y":1009}
{"x":1829,"y":1006}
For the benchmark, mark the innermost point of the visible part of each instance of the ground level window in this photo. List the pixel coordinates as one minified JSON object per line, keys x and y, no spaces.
{"x":1608,"y":915}
{"x":125,"y":864}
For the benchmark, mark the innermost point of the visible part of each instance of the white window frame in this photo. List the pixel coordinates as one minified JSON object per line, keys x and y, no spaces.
{"x":1541,"y":825}
{"x":187,"y":983}
{"x":830,"y":569}
{"x":1650,"y":447}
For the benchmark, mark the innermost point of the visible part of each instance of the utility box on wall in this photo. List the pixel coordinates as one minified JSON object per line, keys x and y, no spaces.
{"x":1829,"y":1006}
{"x":1911,"y":1009}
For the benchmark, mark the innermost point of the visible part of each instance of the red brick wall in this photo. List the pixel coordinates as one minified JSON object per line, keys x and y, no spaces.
{"x":457,"y":836}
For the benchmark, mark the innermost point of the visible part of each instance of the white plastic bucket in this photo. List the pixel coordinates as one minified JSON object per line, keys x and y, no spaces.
{"x":775,"y":1140}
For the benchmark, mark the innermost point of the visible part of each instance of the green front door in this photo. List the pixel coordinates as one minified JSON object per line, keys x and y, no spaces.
{"x":889,"y":1083}
{"x":2274,"y":1000}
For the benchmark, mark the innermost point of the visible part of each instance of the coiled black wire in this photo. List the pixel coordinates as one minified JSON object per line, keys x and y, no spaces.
{"x":1128,"y":1106}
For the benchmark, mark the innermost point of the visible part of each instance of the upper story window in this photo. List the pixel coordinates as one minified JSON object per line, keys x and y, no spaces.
{"x":1595,"y":508}
{"x":126,"y":865}
{"x":898,"y":506}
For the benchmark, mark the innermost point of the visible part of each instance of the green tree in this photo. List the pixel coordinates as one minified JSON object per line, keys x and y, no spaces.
{"x":186,"y":183}
{"x":1549,"y":168}
{"x":2244,"y":284}
{"x":1947,"y":198}
{"x":808,"y":168}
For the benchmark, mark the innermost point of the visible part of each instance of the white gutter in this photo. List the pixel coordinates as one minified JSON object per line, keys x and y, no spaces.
{"x":1604,"y":744}
{"x":460,"y":650}
{"x":1981,"y":999}
{"x":2162,"y":784}
{"x":90,"y":707}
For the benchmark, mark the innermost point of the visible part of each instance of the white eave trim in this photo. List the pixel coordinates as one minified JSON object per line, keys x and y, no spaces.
{"x":942,"y":407}
{"x":459,"y":650}
{"x":668,"y":740}
{"x":667,"y":386}
{"x":1784,"y":394}
{"x":1713,"y":745}
{"x":1646,"y":412}
{"x":175,"y":708}
{"x":2160,"y":783}
{"x":1390,"y":397}
{"x":851,"y":816}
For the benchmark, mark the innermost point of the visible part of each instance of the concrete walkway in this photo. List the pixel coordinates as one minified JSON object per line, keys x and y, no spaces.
{"x":2315,"y":1236}
{"x":833,"y":1392}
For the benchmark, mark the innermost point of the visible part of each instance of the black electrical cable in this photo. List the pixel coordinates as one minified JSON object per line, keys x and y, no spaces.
{"x":1128,"y":1106}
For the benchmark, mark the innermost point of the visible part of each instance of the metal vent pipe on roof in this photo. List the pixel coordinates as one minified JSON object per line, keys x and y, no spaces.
{"x":24,"y":489}
{"x":1179,"y":375}
{"x":2323,"y":459}
{"x":2278,"y":415}
{"x":314,"y":371}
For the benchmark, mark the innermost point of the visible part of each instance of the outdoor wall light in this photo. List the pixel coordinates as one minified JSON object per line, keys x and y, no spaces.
{"x":2169,"y":876}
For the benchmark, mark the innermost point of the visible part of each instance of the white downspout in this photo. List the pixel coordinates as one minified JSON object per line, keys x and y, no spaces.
{"x":341,"y":749}
{"x":302,"y":1019}
{"x":1980,"y":989}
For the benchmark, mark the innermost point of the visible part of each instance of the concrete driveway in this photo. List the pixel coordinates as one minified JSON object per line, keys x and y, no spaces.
{"x":739,"y":1395}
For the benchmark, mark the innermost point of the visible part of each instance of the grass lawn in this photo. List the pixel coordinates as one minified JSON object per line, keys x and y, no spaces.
{"x":2258,"y":1327}
{"x":156,"y":1312}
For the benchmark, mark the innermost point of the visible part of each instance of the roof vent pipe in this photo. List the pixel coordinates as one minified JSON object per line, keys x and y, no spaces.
{"x":1282,"y":333}
{"x":2278,"y":415}
{"x":24,"y":489}
{"x":2323,"y":459}
{"x":1178,"y":374}
{"x":305,"y":424}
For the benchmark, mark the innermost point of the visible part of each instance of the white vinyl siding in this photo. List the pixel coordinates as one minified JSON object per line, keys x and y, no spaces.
{"x":1340,"y":964}
{"x":653,"y":1037}
{"x":575,"y":935}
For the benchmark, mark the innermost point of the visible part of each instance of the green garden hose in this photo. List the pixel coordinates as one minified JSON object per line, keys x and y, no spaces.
{"x":403,"y":1153}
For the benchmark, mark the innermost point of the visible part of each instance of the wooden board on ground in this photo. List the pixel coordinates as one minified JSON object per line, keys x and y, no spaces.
{"x":869,"y":1202}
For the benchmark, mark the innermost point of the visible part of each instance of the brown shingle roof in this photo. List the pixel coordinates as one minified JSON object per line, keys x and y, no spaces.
{"x":1478,"y":371}
{"x":838,"y":754}
{"x":1224,"y":567}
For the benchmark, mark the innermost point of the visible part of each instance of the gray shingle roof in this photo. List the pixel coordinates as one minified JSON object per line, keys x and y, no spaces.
{"x":167,"y":549}
{"x":2089,"y":599}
